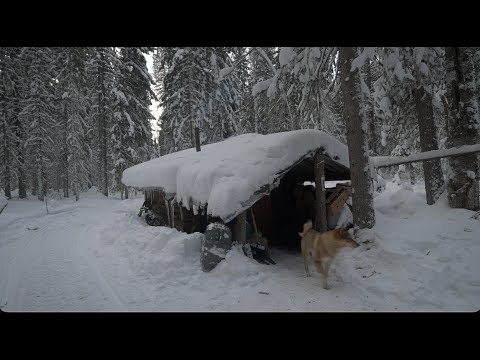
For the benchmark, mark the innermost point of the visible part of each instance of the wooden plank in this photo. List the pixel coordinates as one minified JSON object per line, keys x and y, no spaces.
{"x":337,"y":204}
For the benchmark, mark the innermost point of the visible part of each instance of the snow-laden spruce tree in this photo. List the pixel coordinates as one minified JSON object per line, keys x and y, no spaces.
{"x":463,"y":126}
{"x":427,"y":69}
{"x":244,"y":114}
{"x":101,"y":81}
{"x":74,"y":124}
{"x":357,"y":137}
{"x":37,"y":109}
{"x":395,"y":108}
{"x":199,"y":95}
{"x":130,"y":132}
{"x":12,"y":136}
{"x":223,"y":98}
{"x":265,"y":110}
{"x":7,"y":131}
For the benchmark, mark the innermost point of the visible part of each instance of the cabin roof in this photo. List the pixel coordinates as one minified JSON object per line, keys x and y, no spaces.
{"x":231,"y":175}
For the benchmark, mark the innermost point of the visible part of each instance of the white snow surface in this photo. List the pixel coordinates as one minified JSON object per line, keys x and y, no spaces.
{"x":286,"y":55}
{"x":225,"y":175}
{"x":3,"y":202}
{"x":98,"y":255}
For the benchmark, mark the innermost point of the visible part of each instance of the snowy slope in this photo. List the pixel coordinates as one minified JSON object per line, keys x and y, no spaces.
{"x":98,"y":255}
{"x":228,"y":173}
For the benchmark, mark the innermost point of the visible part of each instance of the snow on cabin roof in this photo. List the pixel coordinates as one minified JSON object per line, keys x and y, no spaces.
{"x":226,"y":175}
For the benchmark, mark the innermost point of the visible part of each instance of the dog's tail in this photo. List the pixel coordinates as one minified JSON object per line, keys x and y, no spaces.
{"x":306,"y":227}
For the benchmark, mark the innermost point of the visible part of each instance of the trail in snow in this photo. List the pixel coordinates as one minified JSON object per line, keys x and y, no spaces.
{"x":46,"y":262}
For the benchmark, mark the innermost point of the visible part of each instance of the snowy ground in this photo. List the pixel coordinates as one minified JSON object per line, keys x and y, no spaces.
{"x":97,"y":255}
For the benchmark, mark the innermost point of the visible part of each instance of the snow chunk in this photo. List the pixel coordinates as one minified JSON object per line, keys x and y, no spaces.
{"x":261,"y":86}
{"x":346,"y":217}
{"x":366,"y":54}
{"x":224,"y":72}
{"x":470,"y":174}
{"x":286,"y":55}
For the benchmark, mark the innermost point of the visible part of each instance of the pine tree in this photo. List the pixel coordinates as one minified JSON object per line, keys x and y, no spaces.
{"x":363,"y":213}
{"x":101,"y":73}
{"x":262,"y":76}
{"x":131,"y":130}
{"x":463,"y":126}
{"x":12,"y":136}
{"x":73,"y":104}
{"x":37,"y":113}
{"x":426,"y":64}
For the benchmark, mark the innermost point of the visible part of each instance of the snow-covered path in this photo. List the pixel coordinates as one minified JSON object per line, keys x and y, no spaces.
{"x":44,"y":261}
{"x":97,"y":255}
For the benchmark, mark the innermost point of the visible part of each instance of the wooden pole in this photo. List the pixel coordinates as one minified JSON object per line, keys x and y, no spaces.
{"x":319,"y":172}
{"x":429,"y":155}
{"x":240,"y":229}
{"x":254,"y":224}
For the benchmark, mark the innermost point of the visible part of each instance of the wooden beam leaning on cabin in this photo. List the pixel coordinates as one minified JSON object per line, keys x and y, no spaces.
{"x":319,"y":173}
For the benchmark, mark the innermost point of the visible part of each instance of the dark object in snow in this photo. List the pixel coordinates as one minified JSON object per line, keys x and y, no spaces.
{"x":263,"y":292}
{"x":153,"y":219}
{"x":3,"y":207}
{"x":260,"y":253}
{"x":33,"y":228}
{"x":217,"y":242}
{"x":143,"y":209}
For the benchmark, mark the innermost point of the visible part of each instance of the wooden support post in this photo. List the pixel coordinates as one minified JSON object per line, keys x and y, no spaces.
{"x":254,"y":224}
{"x":167,"y":206}
{"x":319,"y":172}
{"x":240,"y":229}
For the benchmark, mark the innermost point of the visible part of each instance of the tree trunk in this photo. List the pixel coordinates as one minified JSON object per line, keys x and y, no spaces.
{"x":40,"y":185}
{"x":65,"y":155}
{"x":432,"y":169}
{"x":372,"y":143}
{"x":126,"y":192}
{"x":197,"y":139}
{"x":102,"y":135}
{"x":362,"y":185}
{"x":6,"y":158}
{"x":319,"y":172}
{"x":22,"y":190}
{"x":462,"y":112}
{"x":34,"y":181}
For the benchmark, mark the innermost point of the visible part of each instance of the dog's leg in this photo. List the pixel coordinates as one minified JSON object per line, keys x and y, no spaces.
{"x":322,"y":271}
{"x":326,"y":264}
{"x":305,"y":259}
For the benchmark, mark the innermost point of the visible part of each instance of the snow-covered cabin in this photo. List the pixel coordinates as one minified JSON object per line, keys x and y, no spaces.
{"x":264,"y":173}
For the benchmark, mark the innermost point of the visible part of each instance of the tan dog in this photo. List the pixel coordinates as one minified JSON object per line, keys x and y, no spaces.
{"x":322,"y":247}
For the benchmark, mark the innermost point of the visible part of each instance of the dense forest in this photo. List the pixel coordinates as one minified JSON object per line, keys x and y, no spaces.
{"x":72,"y":118}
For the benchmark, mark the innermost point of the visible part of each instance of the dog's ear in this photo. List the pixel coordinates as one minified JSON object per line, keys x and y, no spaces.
{"x":307,"y":226}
